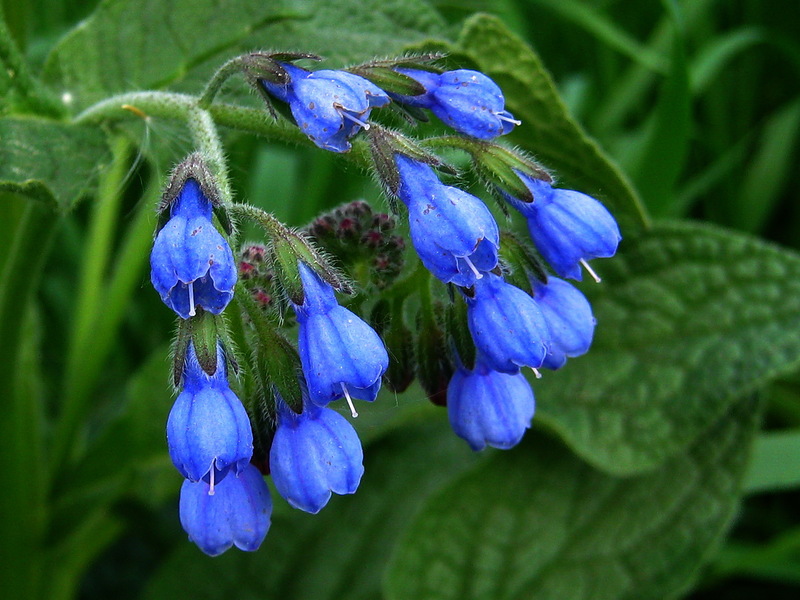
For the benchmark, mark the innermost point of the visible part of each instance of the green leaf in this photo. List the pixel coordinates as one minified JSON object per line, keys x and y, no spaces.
{"x":690,"y":317}
{"x":547,"y":131}
{"x":536,"y":522}
{"x":776,"y":462}
{"x":150,"y":44}
{"x":342,"y":551}
{"x":52,"y":162}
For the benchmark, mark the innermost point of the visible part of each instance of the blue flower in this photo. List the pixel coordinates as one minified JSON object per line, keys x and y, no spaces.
{"x":569,"y":318}
{"x":191,"y":264}
{"x":568,"y":227}
{"x":341,"y":355}
{"x":489,"y":408}
{"x":468,"y":101}
{"x":313,"y":454}
{"x":330,"y":107}
{"x":208,"y":430}
{"x":454,"y":234}
{"x":507,"y":325}
{"x":236,"y":512}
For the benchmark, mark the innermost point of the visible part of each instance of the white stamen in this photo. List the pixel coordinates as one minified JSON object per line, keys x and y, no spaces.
{"x":191,"y":300}
{"x":536,"y":373}
{"x":590,"y":271}
{"x":349,"y":401}
{"x":347,"y":115}
{"x":502,"y":117}
{"x":211,"y":479}
{"x":478,"y":274}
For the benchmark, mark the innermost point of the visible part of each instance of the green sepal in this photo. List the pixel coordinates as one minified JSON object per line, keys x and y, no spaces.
{"x":290,"y":247}
{"x":520,"y":261}
{"x":180,"y":347}
{"x":458,"y":331}
{"x":275,"y":363}
{"x":385,"y":143}
{"x":390,"y":80}
{"x":205,"y":338}
{"x":192,"y":167}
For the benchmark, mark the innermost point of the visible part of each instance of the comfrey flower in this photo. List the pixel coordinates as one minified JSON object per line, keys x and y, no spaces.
{"x":208,"y":430}
{"x":313,"y":454}
{"x":468,"y":101}
{"x":453,"y":232}
{"x":488,"y":408}
{"x":341,"y":355}
{"x":235,"y":512}
{"x":191,"y":264}
{"x":568,"y":227}
{"x":507,"y":325}
{"x":330,"y":107}
{"x":569,"y":318}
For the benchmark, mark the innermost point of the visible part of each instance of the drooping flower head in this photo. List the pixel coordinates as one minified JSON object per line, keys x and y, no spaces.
{"x":489,"y":408}
{"x":569,"y":318}
{"x":453,"y":232}
{"x":567,"y":227}
{"x":329,"y":106}
{"x":313,"y":454}
{"x":506,"y":325}
{"x":236,"y":512}
{"x":208,"y":430}
{"x":468,"y":101}
{"x":341,"y":355}
{"x":191,"y":264}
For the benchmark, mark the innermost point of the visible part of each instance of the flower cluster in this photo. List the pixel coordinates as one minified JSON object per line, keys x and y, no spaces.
{"x":469,"y":352}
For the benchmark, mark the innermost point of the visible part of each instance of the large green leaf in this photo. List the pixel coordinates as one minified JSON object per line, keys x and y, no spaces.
{"x":339,"y":553}
{"x":690,"y":317}
{"x":548,"y":131}
{"x":135,"y":44}
{"x":49,"y":161}
{"x":536,"y":522}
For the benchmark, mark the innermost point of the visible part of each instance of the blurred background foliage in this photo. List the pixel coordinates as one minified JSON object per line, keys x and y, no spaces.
{"x":697,"y":102}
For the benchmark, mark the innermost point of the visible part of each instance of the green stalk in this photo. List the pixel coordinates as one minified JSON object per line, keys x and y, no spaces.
{"x":22,"y":502}
{"x":89,"y":309}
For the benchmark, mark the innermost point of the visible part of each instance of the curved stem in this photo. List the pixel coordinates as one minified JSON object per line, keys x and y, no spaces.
{"x":225,"y":72}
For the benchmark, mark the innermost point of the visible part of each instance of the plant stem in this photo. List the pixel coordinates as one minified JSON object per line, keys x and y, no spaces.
{"x":89,"y":306}
{"x":22,"y":502}
{"x":225,"y":72}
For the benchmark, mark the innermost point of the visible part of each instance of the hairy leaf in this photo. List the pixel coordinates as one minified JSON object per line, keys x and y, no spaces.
{"x":133,"y":44}
{"x":49,"y":161}
{"x":536,"y":522}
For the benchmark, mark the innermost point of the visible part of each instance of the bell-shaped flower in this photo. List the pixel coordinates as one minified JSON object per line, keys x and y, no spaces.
{"x":191,"y":264}
{"x":313,"y":454}
{"x":342,"y":356}
{"x":568,"y":227}
{"x":507,"y":325}
{"x":569,"y":318}
{"x":236,"y":512}
{"x":468,"y":101}
{"x":328,"y":106}
{"x":487,"y":407}
{"x":208,"y":430}
{"x":453,"y":232}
